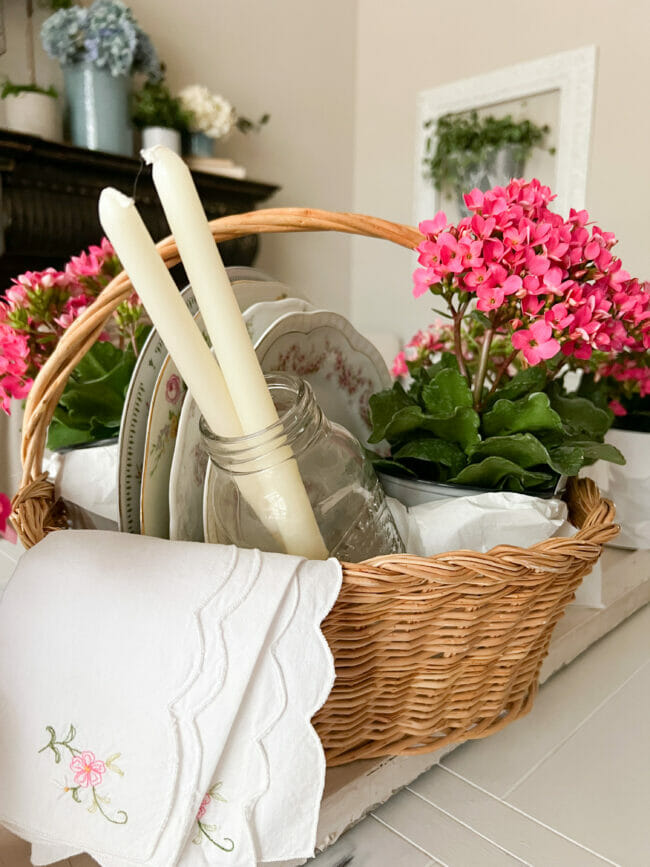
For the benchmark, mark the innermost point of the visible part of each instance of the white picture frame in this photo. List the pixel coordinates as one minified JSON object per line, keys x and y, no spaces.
{"x":570,"y":73}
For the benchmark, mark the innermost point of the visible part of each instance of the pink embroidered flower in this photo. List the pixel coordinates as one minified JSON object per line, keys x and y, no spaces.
{"x":88,"y":771}
{"x":6,"y":530}
{"x":537,"y":343}
{"x":204,"y":806}
{"x":173,"y":389}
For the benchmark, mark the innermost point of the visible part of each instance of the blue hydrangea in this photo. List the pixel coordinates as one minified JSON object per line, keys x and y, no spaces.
{"x":63,"y":34}
{"x":106,"y":34}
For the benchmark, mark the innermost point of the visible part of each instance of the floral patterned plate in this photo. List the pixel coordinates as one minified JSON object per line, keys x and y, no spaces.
{"x":343,"y":368}
{"x":133,"y":428}
{"x":189,"y":460}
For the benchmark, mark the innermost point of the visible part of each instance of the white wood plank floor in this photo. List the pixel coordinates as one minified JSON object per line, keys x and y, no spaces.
{"x":568,"y":785}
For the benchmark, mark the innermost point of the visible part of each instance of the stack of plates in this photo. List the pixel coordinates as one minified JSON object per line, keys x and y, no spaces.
{"x":162,"y":475}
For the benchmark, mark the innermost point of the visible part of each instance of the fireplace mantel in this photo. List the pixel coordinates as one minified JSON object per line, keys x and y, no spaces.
{"x":49,"y":193}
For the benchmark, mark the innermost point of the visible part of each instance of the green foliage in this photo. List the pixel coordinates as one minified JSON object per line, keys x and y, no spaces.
{"x":246,"y":125}
{"x":55,"y":5}
{"x":524,"y":440}
{"x":90,"y":408}
{"x":11,"y":89}
{"x":154,"y":105}
{"x":465,"y":142}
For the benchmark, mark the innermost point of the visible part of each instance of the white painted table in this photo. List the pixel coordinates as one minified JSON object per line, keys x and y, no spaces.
{"x":493,"y":801}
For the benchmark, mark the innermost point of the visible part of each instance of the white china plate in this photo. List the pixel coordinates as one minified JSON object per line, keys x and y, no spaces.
{"x":188,"y":465}
{"x":135,"y":414}
{"x":343,"y":368}
{"x":133,"y":427}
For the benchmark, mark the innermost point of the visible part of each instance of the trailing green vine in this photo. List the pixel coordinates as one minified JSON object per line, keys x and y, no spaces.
{"x":462,"y":143}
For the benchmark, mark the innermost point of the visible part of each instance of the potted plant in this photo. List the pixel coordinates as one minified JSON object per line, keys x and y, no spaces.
{"x":211,"y":117}
{"x":465,"y":151}
{"x":159,"y":115}
{"x":526,"y":292}
{"x":99,"y":48}
{"x":621,"y":382}
{"x":29,"y":108}
{"x":34,"y":314}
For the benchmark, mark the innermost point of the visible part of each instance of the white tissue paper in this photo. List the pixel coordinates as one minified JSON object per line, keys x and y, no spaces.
{"x":87,"y":478}
{"x":483,"y":521}
{"x":478,"y":522}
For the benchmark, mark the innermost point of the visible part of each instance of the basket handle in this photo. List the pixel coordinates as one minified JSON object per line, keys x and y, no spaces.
{"x":34,"y":512}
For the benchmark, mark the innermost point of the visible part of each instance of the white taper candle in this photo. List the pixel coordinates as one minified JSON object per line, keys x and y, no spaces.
{"x":152,"y":281}
{"x":283,"y":485}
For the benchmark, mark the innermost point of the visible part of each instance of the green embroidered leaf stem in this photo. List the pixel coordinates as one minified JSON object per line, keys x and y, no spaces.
{"x":202,"y":829}
{"x":121,"y":813}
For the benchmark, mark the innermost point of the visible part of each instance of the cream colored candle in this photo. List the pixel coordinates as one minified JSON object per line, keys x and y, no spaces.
{"x":283,"y":485}
{"x":180,"y":334}
{"x":152,"y":281}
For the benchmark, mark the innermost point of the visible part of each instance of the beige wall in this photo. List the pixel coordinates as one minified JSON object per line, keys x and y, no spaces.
{"x":417,"y":44}
{"x":291,"y":58}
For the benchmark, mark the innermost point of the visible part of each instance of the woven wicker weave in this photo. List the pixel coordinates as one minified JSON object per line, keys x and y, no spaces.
{"x":428,"y":651}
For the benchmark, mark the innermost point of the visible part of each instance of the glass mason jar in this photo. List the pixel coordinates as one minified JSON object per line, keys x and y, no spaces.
{"x":348,"y":501}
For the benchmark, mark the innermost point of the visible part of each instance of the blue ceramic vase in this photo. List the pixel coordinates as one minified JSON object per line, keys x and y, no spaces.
{"x":200,"y":145}
{"x":98,"y":109}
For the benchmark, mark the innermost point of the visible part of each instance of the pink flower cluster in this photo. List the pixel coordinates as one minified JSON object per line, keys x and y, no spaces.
{"x":631,"y":372}
{"x":6,"y":530}
{"x":40,"y":305}
{"x":550,"y":283}
{"x":422,"y":346}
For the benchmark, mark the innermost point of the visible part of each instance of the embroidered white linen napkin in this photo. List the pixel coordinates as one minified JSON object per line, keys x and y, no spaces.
{"x":155,"y":701}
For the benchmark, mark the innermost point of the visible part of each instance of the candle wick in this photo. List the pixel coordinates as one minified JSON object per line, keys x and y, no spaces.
{"x":141,"y":168}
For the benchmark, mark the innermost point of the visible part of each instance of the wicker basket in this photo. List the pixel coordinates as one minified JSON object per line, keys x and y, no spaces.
{"x":428,"y":651}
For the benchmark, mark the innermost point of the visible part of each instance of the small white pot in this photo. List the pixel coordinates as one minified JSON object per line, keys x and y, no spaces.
{"x":628,"y":486}
{"x":161,"y":135}
{"x":34,"y":114}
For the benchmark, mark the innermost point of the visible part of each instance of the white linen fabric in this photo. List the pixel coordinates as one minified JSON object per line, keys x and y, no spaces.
{"x":156,"y":697}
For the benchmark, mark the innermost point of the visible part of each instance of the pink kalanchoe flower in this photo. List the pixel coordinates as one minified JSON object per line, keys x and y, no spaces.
{"x":474,"y":200}
{"x":205,"y":803}
{"x":617,"y":408}
{"x":432,"y":227}
{"x":423,"y":279}
{"x":6,"y":530}
{"x":537,"y":342}
{"x":489,"y":298}
{"x":399,"y":367}
{"x":88,"y":771}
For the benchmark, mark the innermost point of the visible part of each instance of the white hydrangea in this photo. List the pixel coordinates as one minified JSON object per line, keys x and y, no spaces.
{"x":210,"y":113}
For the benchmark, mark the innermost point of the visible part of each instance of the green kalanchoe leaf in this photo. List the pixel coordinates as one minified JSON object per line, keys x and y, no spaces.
{"x":582,"y":417}
{"x":599,"y":452}
{"x":525,"y":382}
{"x":501,"y":474}
{"x":434,"y":451}
{"x":447,"y":391}
{"x":462,"y":427}
{"x":567,"y":459}
{"x":386,"y":465}
{"x":90,"y":408}
{"x":528,"y":414}
{"x":383,"y":408}
{"x":406,"y":419}
{"x":523,"y":449}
